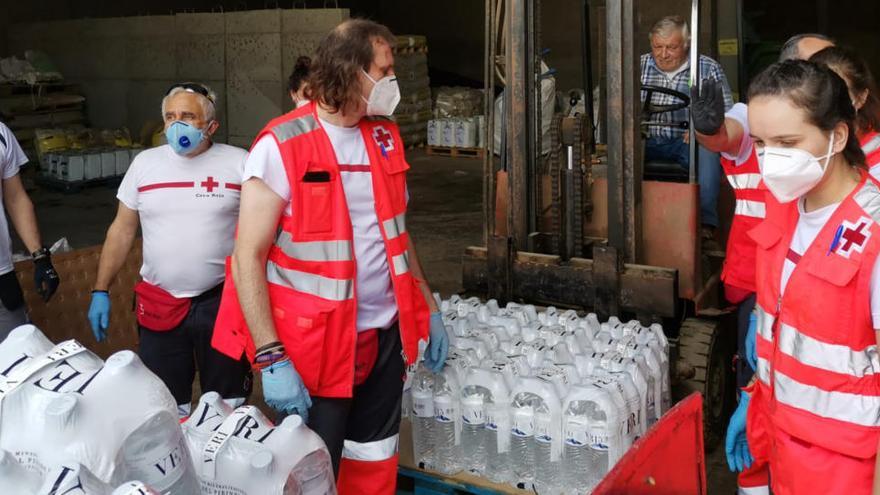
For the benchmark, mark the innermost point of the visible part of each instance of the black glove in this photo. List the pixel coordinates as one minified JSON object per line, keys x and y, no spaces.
{"x":707,"y":108}
{"x":45,"y":277}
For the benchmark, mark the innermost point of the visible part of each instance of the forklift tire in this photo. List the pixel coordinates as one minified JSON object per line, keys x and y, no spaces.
{"x":705,"y":347}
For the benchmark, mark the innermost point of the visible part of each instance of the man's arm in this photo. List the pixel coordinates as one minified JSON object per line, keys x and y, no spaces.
{"x":728,"y":139}
{"x":258,"y":218}
{"x":117,"y":245}
{"x":21,"y":211}
{"x":419,"y":275}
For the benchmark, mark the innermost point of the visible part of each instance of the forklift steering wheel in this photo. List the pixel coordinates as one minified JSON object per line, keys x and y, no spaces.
{"x":649,"y":108}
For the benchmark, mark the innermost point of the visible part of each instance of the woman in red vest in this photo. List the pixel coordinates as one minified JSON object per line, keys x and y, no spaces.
{"x":814,"y":407}
{"x":863,"y":92}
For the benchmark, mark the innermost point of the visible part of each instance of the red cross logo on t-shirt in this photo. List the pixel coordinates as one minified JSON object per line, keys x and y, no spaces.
{"x":210,"y":184}
{"x":383,"y":138}
{"x":854,"y":236}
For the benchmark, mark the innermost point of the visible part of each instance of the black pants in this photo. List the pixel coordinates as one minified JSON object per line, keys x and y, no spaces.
{"x":373,"y":413}
{"x":744,"y":372}
{"x":175,"y":355}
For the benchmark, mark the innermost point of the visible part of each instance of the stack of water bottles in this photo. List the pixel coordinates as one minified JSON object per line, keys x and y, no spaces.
{"x":71,"y":422}
{"x":543,"y":400}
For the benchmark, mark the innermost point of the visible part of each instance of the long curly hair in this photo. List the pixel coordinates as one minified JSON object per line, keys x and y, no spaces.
{"x":334,"y":74}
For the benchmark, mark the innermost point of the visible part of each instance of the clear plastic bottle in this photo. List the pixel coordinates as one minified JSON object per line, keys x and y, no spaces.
{"x":591,"y":424}
{"x":522,"y":445}
{"x":313,"y":475}
{"x":473,"y":428}
{"x":422,"y":416}
{"x":447,"y":423}
{"x":156,"y":453}
{"x":497,"y":428}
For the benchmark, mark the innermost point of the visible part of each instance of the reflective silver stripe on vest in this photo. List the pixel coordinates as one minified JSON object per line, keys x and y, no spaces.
{"x":763,"y":370}
{"x":401,"y":263}
{"x":765,"y":323}
{"x":295,"y":127}
{"x":868,"y":198}
{"x":331,"y":289}
{"x":749,"y":208}
{"x":829,"y":357}
{"x":851,"y":408}
{"x":396,"y":226}
{"x":314,"y":250}
{"x":872,"y":145}
{"x":744,"y":181}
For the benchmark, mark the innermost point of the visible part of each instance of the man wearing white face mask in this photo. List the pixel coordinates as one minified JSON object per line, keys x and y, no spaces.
{"x":330,"y":302}
{"x":185,"y":196}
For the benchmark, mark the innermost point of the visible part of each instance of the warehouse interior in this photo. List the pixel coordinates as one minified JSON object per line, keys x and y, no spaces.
{"x":109,"y":64}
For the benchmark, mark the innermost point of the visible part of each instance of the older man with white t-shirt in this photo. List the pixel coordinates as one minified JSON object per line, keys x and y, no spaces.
{"x":185,"y":196}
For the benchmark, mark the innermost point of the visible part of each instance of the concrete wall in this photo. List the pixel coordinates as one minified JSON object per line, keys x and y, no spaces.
{"x":126,"y":64}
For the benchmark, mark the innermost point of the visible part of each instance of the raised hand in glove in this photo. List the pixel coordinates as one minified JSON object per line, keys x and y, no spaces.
{"x":707,"y":108}
{"x":45,"y":277}
{"x":438,"y":344}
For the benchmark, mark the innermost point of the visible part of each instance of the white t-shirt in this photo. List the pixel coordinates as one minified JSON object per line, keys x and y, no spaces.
{"x":740,"y":113}
{"x":808,"y":227}
{"x":188,"y":209}
{"x":376,"y":306}
{"x":11,"y":160}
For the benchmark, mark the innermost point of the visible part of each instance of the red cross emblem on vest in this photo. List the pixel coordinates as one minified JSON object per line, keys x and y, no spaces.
{"x":210,"y":184}
{"x":383,"y":138}
{"x":854,"y":236}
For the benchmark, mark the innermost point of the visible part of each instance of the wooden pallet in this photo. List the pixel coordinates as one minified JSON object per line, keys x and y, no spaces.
{"x":455,"y":152}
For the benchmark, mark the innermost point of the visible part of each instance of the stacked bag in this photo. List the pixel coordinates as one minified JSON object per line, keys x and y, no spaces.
{"x":72,"y":423}
{"x":546,"y":401}
{"x":458,"y":120}
{"x":411,"y":68}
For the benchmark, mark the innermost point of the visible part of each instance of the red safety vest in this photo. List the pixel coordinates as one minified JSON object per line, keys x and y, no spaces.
{"x":870,"y":144}
{"x":311,"y":266}
{"x":818,"y":370}
{"x":739,"y":262}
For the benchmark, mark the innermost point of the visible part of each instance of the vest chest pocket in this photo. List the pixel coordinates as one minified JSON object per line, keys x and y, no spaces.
{"x":316,"y":206}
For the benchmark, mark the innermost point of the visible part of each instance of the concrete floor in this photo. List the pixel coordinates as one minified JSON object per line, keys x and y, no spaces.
{"x":445,"y":217}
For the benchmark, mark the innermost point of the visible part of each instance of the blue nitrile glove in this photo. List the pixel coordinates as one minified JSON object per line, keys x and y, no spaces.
{"x":438,"y":344}
{"x":736,"y":445}
{"x":99,"y":314}
{"x":284,"y":390}
{"x":752,"y":343}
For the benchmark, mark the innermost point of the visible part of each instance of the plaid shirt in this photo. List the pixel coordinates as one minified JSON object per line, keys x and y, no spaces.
{"x":651,"y":74}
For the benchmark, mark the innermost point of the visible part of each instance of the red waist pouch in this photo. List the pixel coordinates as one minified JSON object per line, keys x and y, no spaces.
{"x":157,"y":309}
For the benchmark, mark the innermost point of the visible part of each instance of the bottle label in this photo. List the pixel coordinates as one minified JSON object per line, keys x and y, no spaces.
{"x":523,"y":425}
{"x":576,"y":432}
{"x":543,"y":428}
{"x":444,"y":413}
{"x":472,"y":413}
{"x":599,"y":438}
{"x":214,"y":488}
{"x":161,"y":466}
{"x":423,"y":405}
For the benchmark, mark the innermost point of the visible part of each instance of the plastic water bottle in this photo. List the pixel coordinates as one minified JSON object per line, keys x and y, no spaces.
{"x":591,"y":430}
{"x":522,"y":446}
{"x":489,"y":382}
{"x":473,"y":427}
{"x":156,"y":453}
{"x":447,"y":423}
{"x":312,"y":476}
{"x":422,"y":391}
{"x":548,"y":431}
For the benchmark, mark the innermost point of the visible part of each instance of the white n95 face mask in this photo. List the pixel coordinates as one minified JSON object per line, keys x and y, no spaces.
{"x":384,"y":96}
{"x":790,"y":173}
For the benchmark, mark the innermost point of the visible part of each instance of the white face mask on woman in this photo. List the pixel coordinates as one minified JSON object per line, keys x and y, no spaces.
{"x":384,"y":96}
{"x":790,"y":173}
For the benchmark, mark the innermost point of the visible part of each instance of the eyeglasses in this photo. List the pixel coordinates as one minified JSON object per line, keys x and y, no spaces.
{"x":192,"y":88}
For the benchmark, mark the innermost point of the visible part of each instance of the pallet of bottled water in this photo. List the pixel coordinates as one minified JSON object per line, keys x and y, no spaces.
{"x":72,"y":423}
{"x":545,"y":401}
